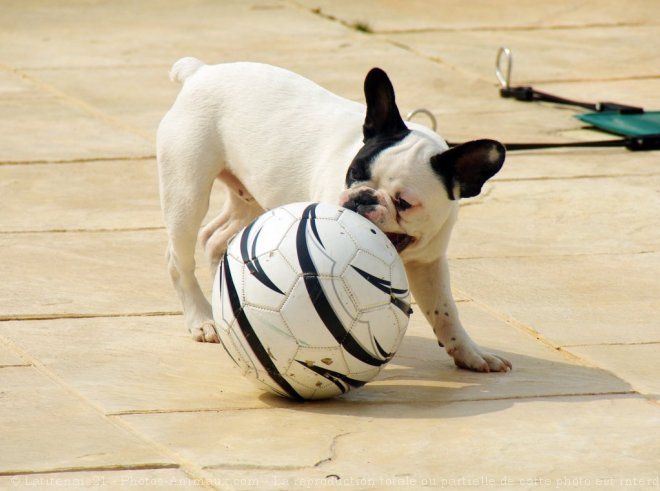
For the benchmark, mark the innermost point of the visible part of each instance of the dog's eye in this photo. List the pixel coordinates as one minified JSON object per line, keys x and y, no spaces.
{"x":402,"y":204}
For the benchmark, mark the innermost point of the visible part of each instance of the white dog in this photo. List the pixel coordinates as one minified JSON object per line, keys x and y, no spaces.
{"x":273,"y":137}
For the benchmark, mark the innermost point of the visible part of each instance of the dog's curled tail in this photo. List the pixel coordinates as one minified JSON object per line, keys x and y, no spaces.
{"x":184,"y":68}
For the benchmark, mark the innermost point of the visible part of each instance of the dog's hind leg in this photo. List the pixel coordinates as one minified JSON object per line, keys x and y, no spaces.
{"x":239,"y":209}
{"x":186,"y":178}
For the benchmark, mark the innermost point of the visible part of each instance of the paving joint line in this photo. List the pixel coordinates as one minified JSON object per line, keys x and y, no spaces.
{"x":79,"y":469}
{"x":318,"y":12}
{"x":145,"y":412}
{"x":48,"y":317}
{"x":576,"y":177}
{"x":431,"y":403}
{"x":552,"y":256}
{"x":82,"y":230}
{"x":81,"y":160}
{"x":587,"y":345}
{"x":559,"y":27}
{"x":117,"y":66}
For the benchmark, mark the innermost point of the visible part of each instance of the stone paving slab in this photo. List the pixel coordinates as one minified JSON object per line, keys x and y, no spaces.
{"x":566,"y":164}
{"x":137,"y":95}
{"x":377,"y":442}
{"x":154,"y":32}
{"x":635,"y":363}
{"x":136,"y":363}
{"x":542,"y":56}
{"x":31,"y":122}
{"x":114,"y":91}
{"x":84,"y":196}
{"x":90,"y":195}
{"x":560,"y":217}
{"x":421,"y":372}
{"x":512,"y":125}
{"x":456,"y":15}
{"x":149,"y":364}
{"x":46,"y":428}
{"x":570,"y":299}
{"x":84,"y":273}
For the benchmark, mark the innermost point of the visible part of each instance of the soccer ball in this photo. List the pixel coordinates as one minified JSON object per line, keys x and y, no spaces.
{"x":310,"y":300}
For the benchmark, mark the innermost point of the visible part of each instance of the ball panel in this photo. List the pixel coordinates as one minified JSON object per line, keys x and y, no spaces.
{"x":223,"y":314}
{"x":296,"y":210}
{"x":368,"y":280}
{"x":332,"y":373}
{"x":273,"y":334}
{"x":321,"y":210}
{"x":362,"y":333}
{"x":314,"y":375}
{"x":263,"y":382}
{"x":234,"y":247}
{"x":365,"y":374}
{"x":367,"y":236}
{"x":267,"y":279}
{"x":402,"y":312}
{"x":326,"y":211}
{"x":339,"y":301}
{"x":318,"y":246}
{"x":238,"y":349}
{"x":265,"y":233}
{"x":399,"y":280}
{"x":302,"y":317}
{"x":383,"y":327}
{"x":330,"y":251}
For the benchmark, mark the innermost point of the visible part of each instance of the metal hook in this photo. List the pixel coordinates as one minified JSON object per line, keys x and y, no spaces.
{"x":504,"y":82}
{"x":429,"y":114}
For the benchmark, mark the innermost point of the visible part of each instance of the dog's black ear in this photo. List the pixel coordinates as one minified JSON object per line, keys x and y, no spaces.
{"x":465,"y":168}
{"x":383,"y":116}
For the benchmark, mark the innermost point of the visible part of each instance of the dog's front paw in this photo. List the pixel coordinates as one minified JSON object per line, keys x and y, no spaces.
{"x":469,"y":357}
{"x":205,"y":333}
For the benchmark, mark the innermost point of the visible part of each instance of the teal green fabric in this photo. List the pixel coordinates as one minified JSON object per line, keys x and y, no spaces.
{"x":647,"y":123}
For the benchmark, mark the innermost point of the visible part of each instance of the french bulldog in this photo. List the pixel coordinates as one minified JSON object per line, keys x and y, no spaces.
{"x":273,"y":137}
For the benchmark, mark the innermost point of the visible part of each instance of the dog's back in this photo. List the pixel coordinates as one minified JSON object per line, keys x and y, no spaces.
{"x":249,"y":113}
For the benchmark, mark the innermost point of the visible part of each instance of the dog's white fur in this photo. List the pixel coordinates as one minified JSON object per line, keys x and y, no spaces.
{"x":273,"y":137}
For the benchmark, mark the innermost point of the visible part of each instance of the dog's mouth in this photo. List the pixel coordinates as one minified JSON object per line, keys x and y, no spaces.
{"x":400,"y":241}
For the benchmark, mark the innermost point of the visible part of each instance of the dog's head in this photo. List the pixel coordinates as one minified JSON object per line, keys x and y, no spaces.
{"x":407,"y":181}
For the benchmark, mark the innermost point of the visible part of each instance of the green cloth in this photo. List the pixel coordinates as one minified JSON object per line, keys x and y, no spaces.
{"x":646,"y":123}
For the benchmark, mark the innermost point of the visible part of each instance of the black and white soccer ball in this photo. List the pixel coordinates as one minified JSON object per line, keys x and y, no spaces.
{"x":311,"y":300}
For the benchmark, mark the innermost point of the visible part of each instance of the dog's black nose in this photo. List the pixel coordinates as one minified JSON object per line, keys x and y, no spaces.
{"x":361,"y":200}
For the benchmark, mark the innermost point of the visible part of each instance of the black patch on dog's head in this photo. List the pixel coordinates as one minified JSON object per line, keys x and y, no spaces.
{"x":468,"y":166}
{"x":383,"y":126}
{"x":360,"y":168}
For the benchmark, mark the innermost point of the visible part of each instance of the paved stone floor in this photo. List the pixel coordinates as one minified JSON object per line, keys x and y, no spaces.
{"x":555,"y":266}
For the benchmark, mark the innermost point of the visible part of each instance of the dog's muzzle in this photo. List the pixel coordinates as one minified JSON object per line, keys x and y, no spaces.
{"x":366,"y":203}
